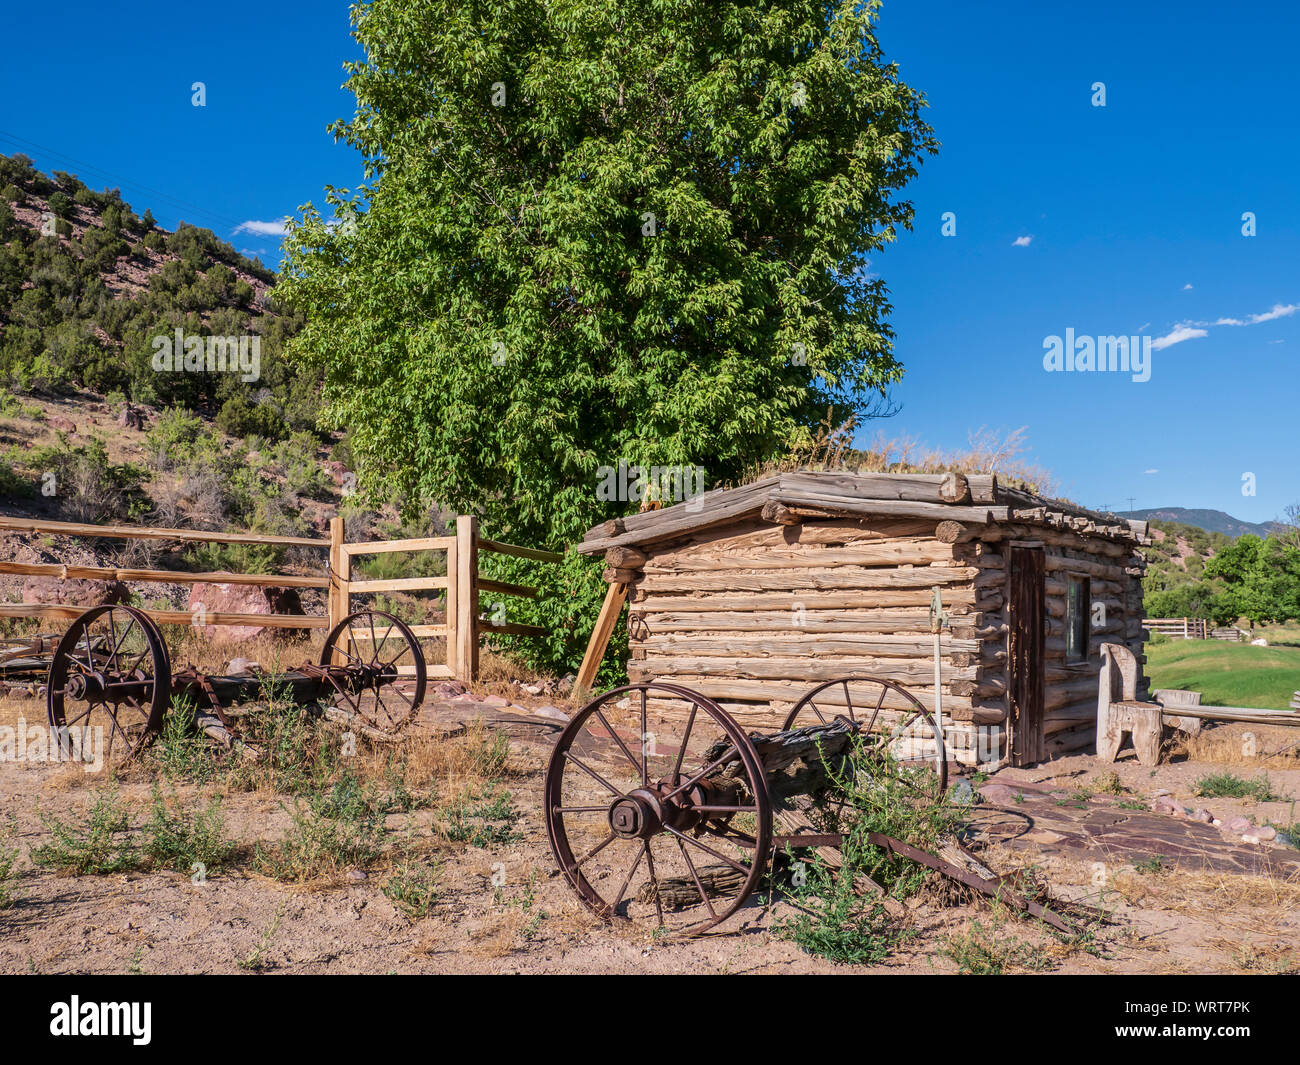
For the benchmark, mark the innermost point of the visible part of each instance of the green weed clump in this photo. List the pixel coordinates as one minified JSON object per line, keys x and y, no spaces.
{"x":1231,"y":786}
{"x":985,"y":949}
{"x":100,"y":844}
{"x":870,"y":792}
{"x":481,"y":820}
{"x":415,"y":888}
{"x":334,"y":829}
{"x":186,"y":840}
{"x":8,"y":867}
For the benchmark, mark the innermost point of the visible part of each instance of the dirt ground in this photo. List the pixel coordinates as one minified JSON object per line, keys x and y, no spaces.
{"x":499,"y":908}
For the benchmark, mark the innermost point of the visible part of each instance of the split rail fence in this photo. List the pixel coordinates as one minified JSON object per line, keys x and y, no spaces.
{"x":1178,"y":628}
{"x":462,"y":630}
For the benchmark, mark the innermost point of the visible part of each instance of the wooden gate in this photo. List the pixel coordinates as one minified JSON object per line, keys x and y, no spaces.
{"x":1025,"y":672}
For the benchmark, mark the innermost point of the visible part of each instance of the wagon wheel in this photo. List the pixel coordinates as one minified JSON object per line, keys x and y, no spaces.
{"x":657,"y":809}
{"x":387,"y":674}
{"x":110,"y":674}
{"x":891,"y":720}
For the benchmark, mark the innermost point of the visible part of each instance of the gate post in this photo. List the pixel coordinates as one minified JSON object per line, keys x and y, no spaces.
{"x":466,"y":631}
{"x":340,"y":573}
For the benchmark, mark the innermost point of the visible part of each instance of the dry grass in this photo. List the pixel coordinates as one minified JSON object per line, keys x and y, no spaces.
{"x":1274,"y":748}
{"x":831,"y":447}
{"x":1208,"y":892}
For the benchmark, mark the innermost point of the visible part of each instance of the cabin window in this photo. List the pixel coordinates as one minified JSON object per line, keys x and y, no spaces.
{"x":1076,"y":620}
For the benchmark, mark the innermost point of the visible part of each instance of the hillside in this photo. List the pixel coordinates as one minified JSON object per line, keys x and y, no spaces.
{"x":92,"y":431}
{"x":91,"y":294}
{"x":1175,"y":583}
{"x":1215,"y":521}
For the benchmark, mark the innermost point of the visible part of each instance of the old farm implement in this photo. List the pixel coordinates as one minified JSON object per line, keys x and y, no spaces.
{"x":662,"y":810}
{"x":111,"y":671}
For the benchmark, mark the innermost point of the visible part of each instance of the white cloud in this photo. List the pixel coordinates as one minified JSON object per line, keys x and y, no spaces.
{"x":263,"y":229}
{"x":1022,"y":242}
{"x":1280,"y":310}
{"x":1187,"y":288}
{"x":1192,"y":330}
{"x":1179,"y":334}
{"x":1150,"y":471}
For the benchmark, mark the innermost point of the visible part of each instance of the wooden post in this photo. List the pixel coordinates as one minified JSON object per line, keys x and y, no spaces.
{"x":600,"y":635}
{"x":340,"y":573}
{"x":452,"y":609}
{"x":466,"y":586}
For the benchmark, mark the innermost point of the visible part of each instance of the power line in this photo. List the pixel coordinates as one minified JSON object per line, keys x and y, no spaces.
{"x":174,"y":202}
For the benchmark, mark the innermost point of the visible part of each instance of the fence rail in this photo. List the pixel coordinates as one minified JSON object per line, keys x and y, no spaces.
{"x":463,"y":629}
{"x":1178,"y":628}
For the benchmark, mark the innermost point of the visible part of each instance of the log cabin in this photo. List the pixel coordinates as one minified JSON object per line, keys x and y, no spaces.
{"x":753,"y":595}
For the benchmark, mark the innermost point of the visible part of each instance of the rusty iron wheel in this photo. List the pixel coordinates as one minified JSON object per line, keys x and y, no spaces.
{"x":657,"y":809}
{"x":384,"y":663}
{"x":109,"y":682}
{"x":904,"y":729}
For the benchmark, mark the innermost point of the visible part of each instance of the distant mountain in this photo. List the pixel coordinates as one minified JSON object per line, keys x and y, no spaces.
{"x":1209,"y":520}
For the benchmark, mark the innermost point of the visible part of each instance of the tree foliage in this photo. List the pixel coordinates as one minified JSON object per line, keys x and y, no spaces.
{"x":1261,"y":580}
{"x":598,"y":230}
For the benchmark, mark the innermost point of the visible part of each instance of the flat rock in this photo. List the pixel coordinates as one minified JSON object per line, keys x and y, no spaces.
{"x":999,"y":793}
{"x":553,"y":712}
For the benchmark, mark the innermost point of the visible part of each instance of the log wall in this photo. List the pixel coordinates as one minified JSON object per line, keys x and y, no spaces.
{"x":754,"y":614}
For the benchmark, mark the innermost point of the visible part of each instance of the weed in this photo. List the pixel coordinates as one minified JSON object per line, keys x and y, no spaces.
{"x":1231,"y":786}
{"x":255,"y":960}
{"x":293,"y":757}
{"x":838,"y":924}
{"x":414,"y":889}
{"x":335,"y":829}
{"x":181,"y":751}
{"x":525,"y":903}
{"x":981,"y":950}
{"x":186,"y":841}
{"x":8,"y":864}
{"x":489,"y":754}
{"x":1154,"y":864}
{"x":100,"y":845}
{"x":481,"y":821}
{"x":1273,"y":962}
{"x":1109,"y":784}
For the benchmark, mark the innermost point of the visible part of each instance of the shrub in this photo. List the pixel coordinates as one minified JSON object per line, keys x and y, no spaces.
{"x":837,"y":923}
{"x":1228,"y":785}
{"x":186,"y":840}
{"x":8,"y":865}
{"x":99,"y":845}
{"x":335,"y":829}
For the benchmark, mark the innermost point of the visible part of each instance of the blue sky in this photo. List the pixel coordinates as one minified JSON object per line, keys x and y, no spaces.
{"x":1124,"y":219}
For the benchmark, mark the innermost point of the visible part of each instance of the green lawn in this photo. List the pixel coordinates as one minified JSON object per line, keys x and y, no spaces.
{"x":1228,"y":674}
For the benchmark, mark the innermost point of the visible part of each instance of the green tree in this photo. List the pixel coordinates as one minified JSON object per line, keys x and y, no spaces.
{"x":602,"y":230}
{"x":1261,"y":580}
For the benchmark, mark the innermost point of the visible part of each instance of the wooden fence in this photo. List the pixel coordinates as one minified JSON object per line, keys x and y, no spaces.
{"x":1178,"y":628}
{"x":463,"y":629}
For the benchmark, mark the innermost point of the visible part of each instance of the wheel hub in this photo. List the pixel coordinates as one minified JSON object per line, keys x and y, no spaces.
{"x":636,"y":816}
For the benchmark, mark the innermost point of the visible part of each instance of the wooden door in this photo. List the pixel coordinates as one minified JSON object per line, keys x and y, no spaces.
{"x":1025,"y":671}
